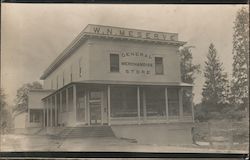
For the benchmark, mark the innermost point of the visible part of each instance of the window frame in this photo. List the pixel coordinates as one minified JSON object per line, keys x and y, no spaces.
{"x":113,"y":65}
{"x":159,"y":65}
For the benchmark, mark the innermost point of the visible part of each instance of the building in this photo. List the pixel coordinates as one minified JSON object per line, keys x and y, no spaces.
{"x":128,"y":79}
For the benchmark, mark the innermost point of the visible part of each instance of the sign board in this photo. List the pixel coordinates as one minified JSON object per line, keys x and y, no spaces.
{"x":133,"y":33}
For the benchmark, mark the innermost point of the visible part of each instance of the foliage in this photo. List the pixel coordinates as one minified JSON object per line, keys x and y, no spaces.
{"x":21,"y":100}
{"x":5,"y":116}
{"x":188,"y":69}
{"x":2,"y":98}
{"x":215,"y":87}
{"x":241,"y":60}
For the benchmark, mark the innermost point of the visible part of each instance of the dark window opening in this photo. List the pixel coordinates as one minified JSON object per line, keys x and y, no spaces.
{"x":158,"y":65}
{"x":114,"y":63}
{"x":123,"y":102}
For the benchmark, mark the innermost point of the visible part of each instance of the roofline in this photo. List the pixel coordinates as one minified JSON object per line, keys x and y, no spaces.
{"x":84,"y":35}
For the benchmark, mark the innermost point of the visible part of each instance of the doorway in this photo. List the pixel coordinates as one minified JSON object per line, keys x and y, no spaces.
{"x":95,"y":107}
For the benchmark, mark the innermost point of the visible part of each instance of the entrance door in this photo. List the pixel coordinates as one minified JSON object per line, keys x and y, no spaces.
{"x":95,"y":107}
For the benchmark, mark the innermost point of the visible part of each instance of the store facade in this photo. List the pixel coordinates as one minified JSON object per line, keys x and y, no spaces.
{"x":117,"y":77}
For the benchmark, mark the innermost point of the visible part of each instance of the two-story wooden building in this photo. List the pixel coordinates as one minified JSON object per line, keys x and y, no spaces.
{"x":128,"y":79}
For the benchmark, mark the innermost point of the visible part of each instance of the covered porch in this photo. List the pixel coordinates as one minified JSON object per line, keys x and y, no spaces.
{"x":85,"y":104}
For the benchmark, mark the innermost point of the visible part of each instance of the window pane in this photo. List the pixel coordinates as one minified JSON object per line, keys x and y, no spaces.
{"x":158,"y":65}
{"x":123,"y":102}
{"x":70,"y":97}
{"x":64,"y":101}
{"x":95,"y":95}
{"x":173,"y":102}
{"x":114,"y":63}
{"x":155,"y":102}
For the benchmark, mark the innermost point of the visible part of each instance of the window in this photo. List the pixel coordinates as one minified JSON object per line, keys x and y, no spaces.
{"x":155,"y":101}
{"x":123,"y":101}
{"x":80,"y":68}
{"x":173,"y":102}
{"x":64,"y":101}
{"x":36,"y":116}
{"x":158,"y":65}
{"x":63,"y":79}
{"x":70,"y":98}
{"x":56,"y":82}
{"x":71,"y":75}
{"x":114,"y":63}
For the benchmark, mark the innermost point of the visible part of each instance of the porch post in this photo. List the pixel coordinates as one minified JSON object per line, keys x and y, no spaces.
{"x":192,"y":103}
{"x":144,"y":104}
{"x":47,"y":109}
{"x":108,"y":105}
{"x":74,"y":100}
{"x":44,"y":110}
{"x":181,"y":102}
{"x":56,"y":110}
{"x":51,"y":112}
{"x":166,"y":101}
{"x":138,"y":105}
{"x":60,"y":107}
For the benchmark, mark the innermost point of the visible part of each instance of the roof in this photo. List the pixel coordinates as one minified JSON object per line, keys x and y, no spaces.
{"x":111,"y":32}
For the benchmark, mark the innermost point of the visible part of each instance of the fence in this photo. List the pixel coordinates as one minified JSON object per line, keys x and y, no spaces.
{"x":226,"y":134}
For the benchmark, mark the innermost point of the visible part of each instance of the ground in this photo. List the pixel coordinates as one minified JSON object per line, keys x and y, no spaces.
{"x":21,"y":142}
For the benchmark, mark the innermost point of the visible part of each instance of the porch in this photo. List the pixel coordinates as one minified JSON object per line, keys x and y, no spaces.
{"x":85,"y":104}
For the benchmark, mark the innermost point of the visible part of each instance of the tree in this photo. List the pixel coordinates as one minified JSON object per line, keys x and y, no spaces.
{"x":215,"y":87}
{"x":240,"y":52}
{"x":5,"y":117}
{"x":2,"y":99}
{"x":188,"y":69}
{"x":21,"y":100}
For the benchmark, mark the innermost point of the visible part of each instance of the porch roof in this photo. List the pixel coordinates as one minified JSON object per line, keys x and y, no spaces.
{"x":181,"y":84}
{"x":111,"y":82}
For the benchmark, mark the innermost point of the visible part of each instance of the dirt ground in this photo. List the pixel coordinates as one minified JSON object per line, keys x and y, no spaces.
{"x":19,"y":142}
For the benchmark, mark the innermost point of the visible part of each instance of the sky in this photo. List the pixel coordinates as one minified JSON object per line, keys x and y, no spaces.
{"x":33,"y":35}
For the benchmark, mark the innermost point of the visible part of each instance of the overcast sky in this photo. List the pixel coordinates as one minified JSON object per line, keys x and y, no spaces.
{"x":33,"y":35}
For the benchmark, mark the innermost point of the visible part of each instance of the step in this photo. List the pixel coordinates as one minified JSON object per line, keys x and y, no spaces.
{"x":91,"y":131}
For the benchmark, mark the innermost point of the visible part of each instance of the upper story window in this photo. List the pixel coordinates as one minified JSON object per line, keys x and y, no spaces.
{"x":56,"y":82}
{"x":158,"y":65}
{"x":80,"y":67}
{"x":71,"y":74}
{"x":51,"y":84}
{"x":114,"y":63}
{"x":63,"y":79}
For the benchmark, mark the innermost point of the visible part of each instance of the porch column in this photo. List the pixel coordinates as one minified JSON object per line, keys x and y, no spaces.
{"x":56,"y":110}
{"x":108,"y":105}
{"x":166,"y":101}
{"x":74,"y":100}
{"x":138,"y":105}
{"x":144,"y":104}
{"x":86,"y":107}
{"x":44,"y":112}
{"x":181,"y":102}
{"x":47,"y":109}
{"x":60,"y":107}
{"x":51,"y":112}
{"x":192,"y":104}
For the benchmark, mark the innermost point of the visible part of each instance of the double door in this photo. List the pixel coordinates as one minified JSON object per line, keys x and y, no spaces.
{"x":95,"y":107}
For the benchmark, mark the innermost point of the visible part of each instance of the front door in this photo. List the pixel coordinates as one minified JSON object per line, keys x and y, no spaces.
{"x":95,"y":107}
